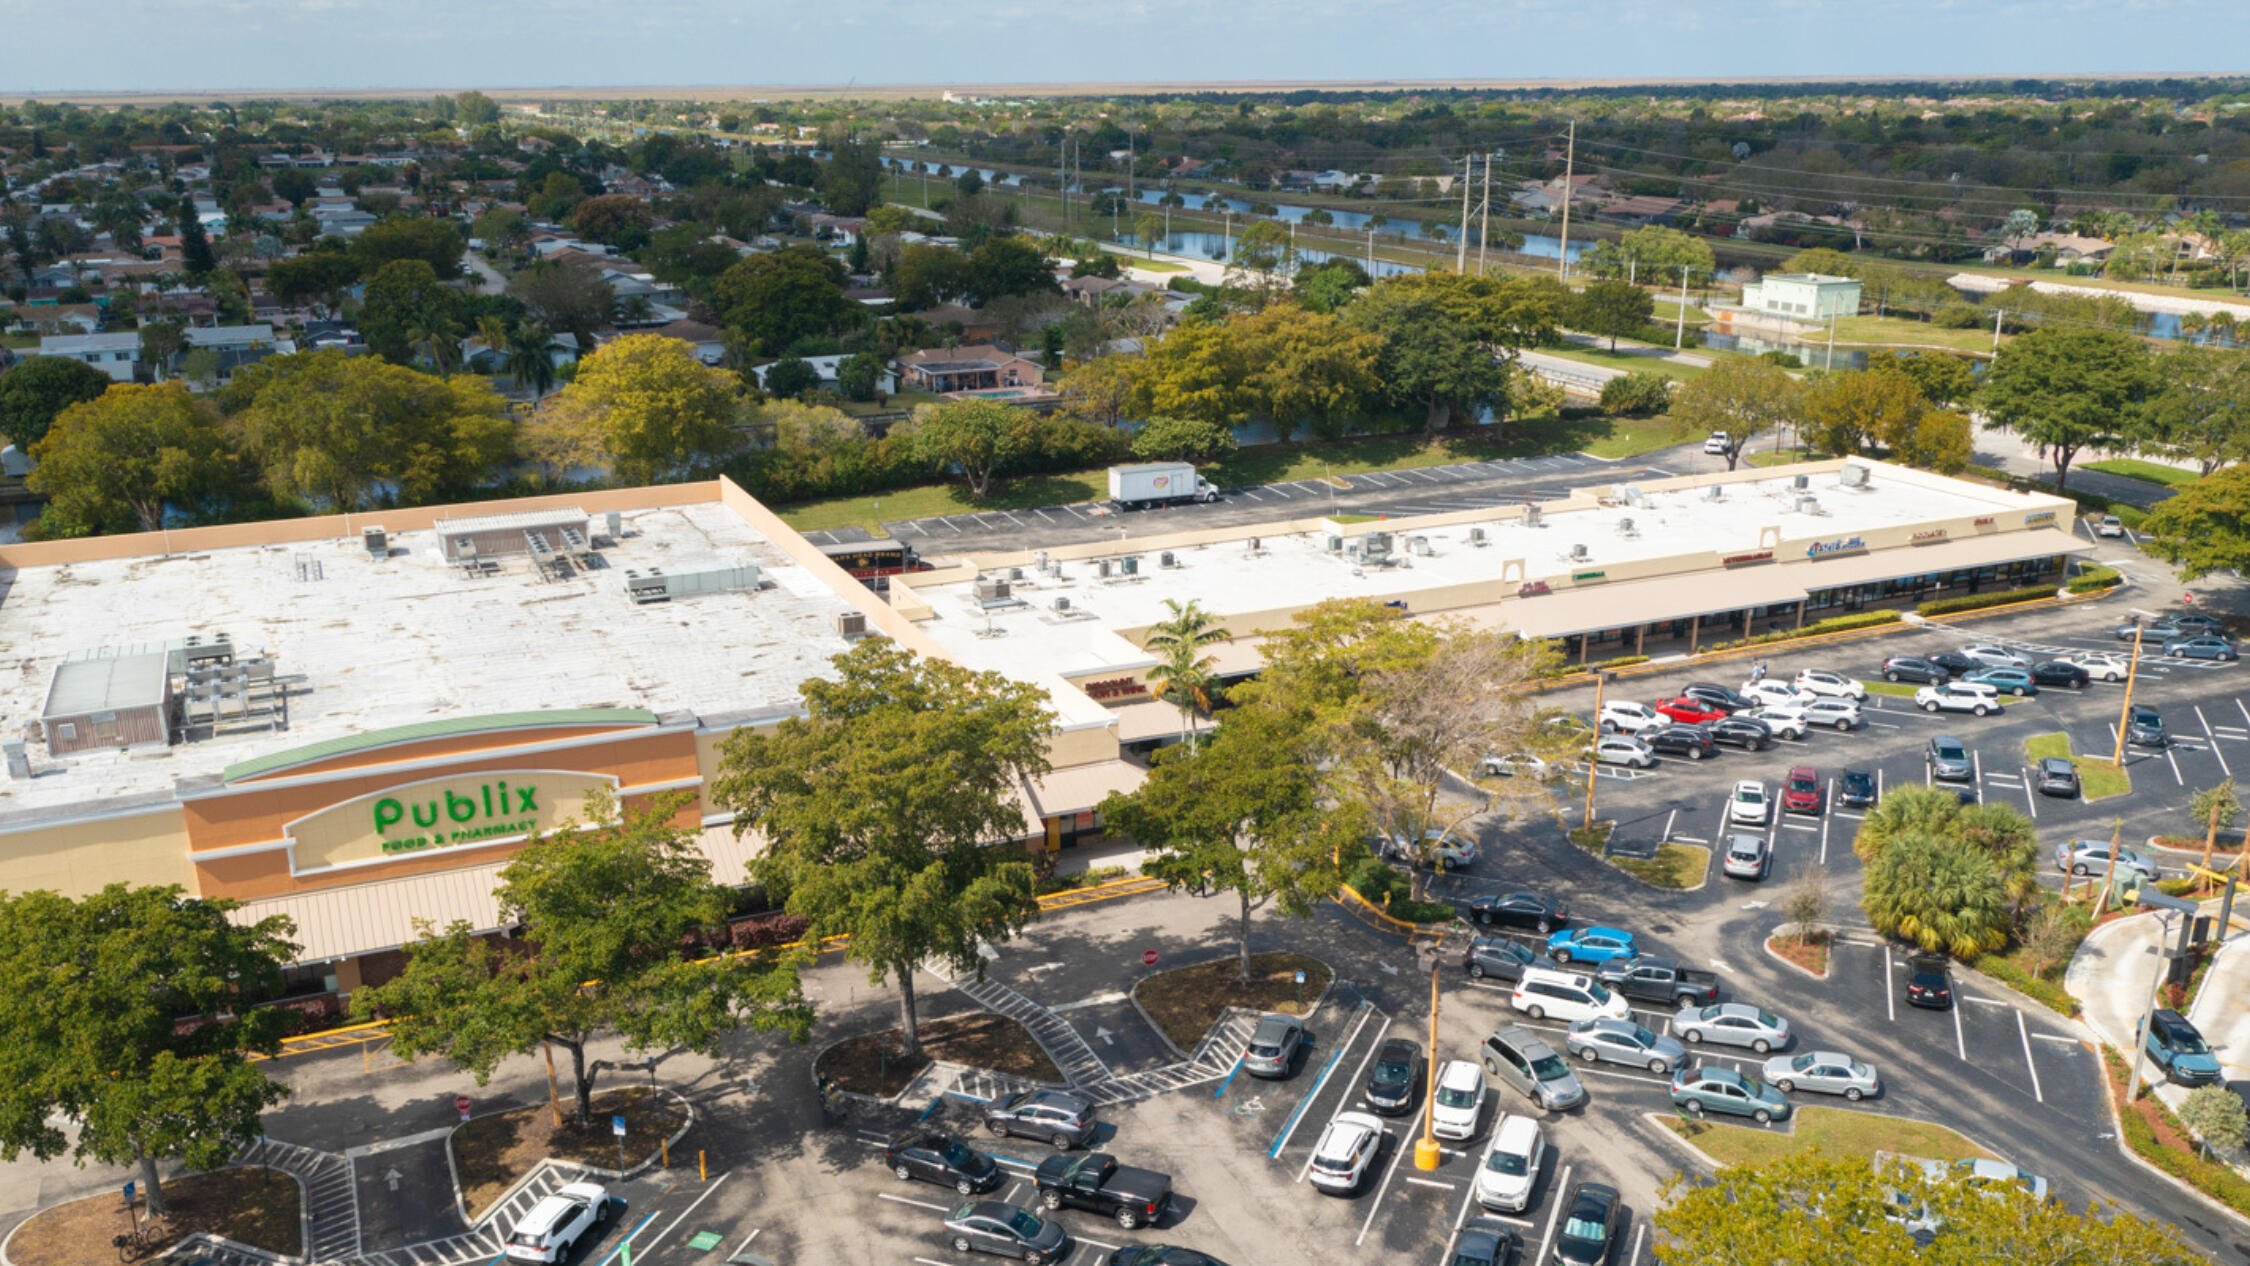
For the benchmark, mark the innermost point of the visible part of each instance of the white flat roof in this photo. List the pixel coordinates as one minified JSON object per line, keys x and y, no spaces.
{"x":411,"y":639}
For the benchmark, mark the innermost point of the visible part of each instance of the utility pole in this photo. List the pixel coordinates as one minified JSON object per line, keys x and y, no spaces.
{"x":1461,"y":241}
{"x":1593,"y":767}
{"x":1371,"y":253}
{"x":1569,"y":162}
{"x":1128,"y":164}
{"x":1831,"y":342}
{"x":1427,"y":1154}
{"x":1484,"y":215}
{"x":2125,"y":710}
{"x":1679,"y":331}
{"x":1996,"y":315}
{"x":2140,"y":1030}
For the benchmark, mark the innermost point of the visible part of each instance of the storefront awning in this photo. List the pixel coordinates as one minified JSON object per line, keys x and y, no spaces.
{"x":1076,"y":789}
{"x":1919,"y":560}
{"x":1240,"y":657}
{"x":1152,"y":719}
{"x":1630,"y":602}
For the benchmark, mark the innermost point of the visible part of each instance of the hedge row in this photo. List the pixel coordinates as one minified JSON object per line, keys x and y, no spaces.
{"x":2213,"y":1179}
{"x":1979,"y":601}
{"x":1833,"y":624}
{"x":1374,"y":879}
{"x":863,"y":464}
{"x":2095,"y":577}
{"x":2012,"y":974}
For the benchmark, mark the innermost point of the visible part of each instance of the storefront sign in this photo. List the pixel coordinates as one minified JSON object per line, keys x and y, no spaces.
{"x":1587,"y":575}
{"x":462,"y":811}
{"x":1115,"y":688}
{"x":2045,"y":518}
{"x":1531,"y":588}
{"x":1846,"y":545}
{"x":1744,"y":560}
{"x":1986,"y":521}
{"x":1931,"y":537}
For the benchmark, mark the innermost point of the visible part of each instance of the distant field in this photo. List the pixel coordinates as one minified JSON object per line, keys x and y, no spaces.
{"x":2152,"y":472}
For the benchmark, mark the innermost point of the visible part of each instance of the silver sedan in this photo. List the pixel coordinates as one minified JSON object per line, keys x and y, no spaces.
{"x":1732,"y":1024}
{"x":1824,"y":1071}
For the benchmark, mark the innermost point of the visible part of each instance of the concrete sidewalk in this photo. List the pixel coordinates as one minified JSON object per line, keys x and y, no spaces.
{"x":2222,"y":1009}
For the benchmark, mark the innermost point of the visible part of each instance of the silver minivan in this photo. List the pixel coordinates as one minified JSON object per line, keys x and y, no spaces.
{"x":1516,"y":1058}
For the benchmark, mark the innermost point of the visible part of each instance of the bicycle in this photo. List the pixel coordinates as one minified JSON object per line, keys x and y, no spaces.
{"x":134,"y":1244}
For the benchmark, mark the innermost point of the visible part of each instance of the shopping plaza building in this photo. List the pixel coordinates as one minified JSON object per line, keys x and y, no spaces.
{"x":356,"y":720}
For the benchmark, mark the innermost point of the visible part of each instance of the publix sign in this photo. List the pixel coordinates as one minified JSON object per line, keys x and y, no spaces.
{"x":462,"y":811}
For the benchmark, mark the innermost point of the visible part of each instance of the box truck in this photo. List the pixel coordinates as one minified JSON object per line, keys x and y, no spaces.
{"x":1158,"y":484}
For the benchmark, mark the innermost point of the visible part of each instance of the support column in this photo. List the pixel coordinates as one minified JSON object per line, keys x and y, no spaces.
{"x":1640,"y":638}
{"x":1694,"y":634}
{"x":1801,"y":612}
{"x":1585,"y":640}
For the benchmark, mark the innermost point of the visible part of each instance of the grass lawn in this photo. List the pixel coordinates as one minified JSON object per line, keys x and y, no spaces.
{"x":1147,"y":265}
{"x":1786,"y":457}
{"x":1875,"y":331}
{"x":1186,"y":1001}
{"x":869,"y":1064}
{"x":490,"y":1153}
{"x":1626,"y":358}
{"x":1835,"y":1131}
{"x":1676,"y":866}
{"x":1906,"y":689}
{"x":255,"y":1205}
{"x":930,"y":499}
{"x":2151,"y":472}
{"x":1631,"y":437}
{"x":2097,"y":779}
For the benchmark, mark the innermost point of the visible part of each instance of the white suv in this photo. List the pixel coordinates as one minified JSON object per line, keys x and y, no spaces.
{"x":554,"y":1226}
{"x":1511,"y":1164}
{"x":1844,"y":714}
{"x":1958,"y":696}
{"x":1459,"y":1101}
{"x":1568,"y":996}
{"x":1621,"y":716}
{"x":1749,"y":803}
{"x":1716,"y":444}
{"x":1788,"y":720}
{"x":1346,"y":1150}
{"x":1772,"y":691}
{"x":2100,"y":665}
{"x":1832,"y":685}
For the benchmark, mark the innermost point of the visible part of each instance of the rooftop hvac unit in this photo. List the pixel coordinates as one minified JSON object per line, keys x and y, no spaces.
{"x":19,"y":765}
{"x":1633,"y":495}
{"x":1039,"y":560}
{"x":1579,"y":554}
{"x":1809,"y":505}
{"x":615,"y":523}
{"x":1718,"y":492}
{"x":1418,"y":544}
{"x":658,"y":585}
{"x":994,"y":589}
{"x":851,"y":623}
{"x":1853,"y":475}
{"x":1015,"y":573}
{"x":1167,"y":559}
{"x":1258,"y":544}
{"x":1062,"y":604}
{"x":1101,"y":568}
{"x":1625,"y":528}
{"x":1476,"y":536}
{"x":1130,"y":564}
{"x":377,"y":541}
{"x":1800,"y":482}
{"x":1375,"y":546}
{"x":1532,"y":517}
{"x":646,"y":587}
{"x":1335,"y":544}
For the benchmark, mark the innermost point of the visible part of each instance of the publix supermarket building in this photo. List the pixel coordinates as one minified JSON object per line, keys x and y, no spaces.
{"x":356,"y":720}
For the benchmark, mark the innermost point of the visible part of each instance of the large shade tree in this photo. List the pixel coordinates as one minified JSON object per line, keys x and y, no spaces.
{"x":2204,"y":527}
{"x":890,"y":810}
{"x":2066,"y":389}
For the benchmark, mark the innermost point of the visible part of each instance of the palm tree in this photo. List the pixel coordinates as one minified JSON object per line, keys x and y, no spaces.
{"x":1182,"y":672}
{"x":529,"y":362}
{"x":492,"y":331}
{"x":1907,"y":810}
{"x":434,"y":336}
{"x":1940,"y":895}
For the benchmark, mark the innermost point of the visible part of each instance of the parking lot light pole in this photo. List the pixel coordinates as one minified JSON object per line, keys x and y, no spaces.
{"x":1427,"y":1154}
{"x":2156,"y":982}
{"x":2125,"y":709}
{"x":1593,"y":754}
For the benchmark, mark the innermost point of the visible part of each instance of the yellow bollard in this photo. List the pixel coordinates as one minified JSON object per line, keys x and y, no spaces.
{"x":664,"y":1152}
{"x":702,"y":1170}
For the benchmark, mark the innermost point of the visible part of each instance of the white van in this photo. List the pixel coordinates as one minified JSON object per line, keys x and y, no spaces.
{"x":1569,"y":996}
{"x":554,"y":1226}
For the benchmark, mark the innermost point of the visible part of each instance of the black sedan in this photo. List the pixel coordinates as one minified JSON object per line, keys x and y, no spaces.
{"x":1915,"y":669}
{"x":932,"y":1156}
{"x":1748,"y":733}
{"x":1717,"y":696}
{"x":1394,"y":1084}
{"x":1483,"y":1243}
{"x":1856,"y":789}
{"x":1956,"y":664}
{"x":1497,"y":957}
{"x":2054,"y":672}
{"x":1691,"y":741}
{"x":1927,"y":984}
{"x":1590,"y":1222}
{"x":1531,"y":911}
{"x":1161,"y":1255}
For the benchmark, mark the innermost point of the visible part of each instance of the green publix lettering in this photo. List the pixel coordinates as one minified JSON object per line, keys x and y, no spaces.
{"x":492,"y":801}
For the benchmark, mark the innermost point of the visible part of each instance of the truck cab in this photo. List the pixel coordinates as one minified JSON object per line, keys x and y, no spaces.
{"x":1095,"y":1181}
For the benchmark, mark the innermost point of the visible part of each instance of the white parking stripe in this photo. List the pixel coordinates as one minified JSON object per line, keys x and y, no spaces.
{"x":2024,"y":1031}
{"x":1375,"y":1206}
{"x":1890,"y":996}
{"x":1468,"y":1198}
{"x":1429,"y":1182}
{"x":1346,"y":1103}
{"x":2214,"y":737}
{"x":2030,"y":800}
{"x":1554,"y":1212}
{"x":919,"y":1204}
{"x":1960,"y":1043}
{"x":2174,"y":762}
{"x":1640,"y":1233}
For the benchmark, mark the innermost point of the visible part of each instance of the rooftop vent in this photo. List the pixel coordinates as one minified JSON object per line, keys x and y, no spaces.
{"x":1809,"y":505}
{"x":1800,"y":482}
{"x":377,"y":541}
{"x":1579,"y":554}
{"x":19,"y":765}
{"x":1258,"y":544}
{"x":1335,"y":544}
{"x":1532,"y":516}
{"x":851,"y":623}
{"x":994,"y":589}
{"x":1101,"y":568}
{"x":1633,"y":495}
{"x":1476,"y":537}
{"x":1718,"y":492}
{"x":614,"y":524}
{"x":1418,"y":544}
{"x":1853,"y":475}
{"x":1167,"y":559}
{"x":1062,"y":604}
{"x":1625,"y":528}
{"x":1130,"y":564}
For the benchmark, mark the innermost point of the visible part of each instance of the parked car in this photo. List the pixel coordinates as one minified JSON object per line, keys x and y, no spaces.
{"x":1096,"y":1182}
{"x":1274,"y":1044}
{"x":1691,"y":741}
{"x":1914,"y":668}
{"x":1741,"y":730}
{"x":2144,"y":727}
{"x":1857,"y":789}
{"x":1999,"y":1177}
{"x":1518,"y":1059}
{"x":1785,"y":720}
{"x":1955,"y":663}
{"x":2060,"y":673}
{"x":1566,"y":995}
{"x":1958,"y":696}
{"x":1512,"y":1162}
{"x":2169,"y":628}
{"x":1063,"y":1119}
{"x":1623,"y":749}
{"x":1623,"y":716}
{"x":2109,"y":525}
{"x":1345,"y":1152}
{"x":1824,"y":1072}
{"x":1995,"y":657}
{"x":1439,"y":849}
{"x":1719,"y":696}
{"x":1532,"y":911}
{"x":1483,"y":1243}
{"x":2008,"y":681}
{"x":1749,"y":803}
{"x":2091,"y":857}
{"x":1590,"y":945}
{"x":1711,"y":1088}
{"x":1949,"y":759}
{"x":1773,"y":690}
{"x":2056,"y":777}
{"x":1690,"y":710}
{"x":995,"y":1226}
{"x":1731,"y":1024}
{"x":1624,"y":1042}
{"x":2206,"y":647}
{"x":547,"y":1233}
{"x":2100,"y":665}
{"x":1832,"y":685}
{"x":1458,"y":1104}
{"x":933,"y":1156}
{"x":1927,"y":983}
{"x":1590,"y":1221}
{"x":1518,"y":765}
{"x":1497,"y":957}
{"x":1747,"y":856}
{"x":1394,"y":1084}
{"x":1842,"y":714}
{"x":1651,"y":979}
{"x":1161,"y":1255}
{"x":1717,"y":443}
{"x":1800,"y":790}
{"x":2176,"y":1047}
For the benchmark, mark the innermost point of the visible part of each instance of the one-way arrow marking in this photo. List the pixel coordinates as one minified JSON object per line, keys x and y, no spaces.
{"x":1103,"y":1034}
{"x":391,"y":1176}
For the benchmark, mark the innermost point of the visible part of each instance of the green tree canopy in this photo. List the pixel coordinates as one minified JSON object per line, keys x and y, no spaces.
{"x":434,"y":242}
{"x":783,"y":296}
{"x":851,"y":181}
{"x":316,"y":274}
{"x":978,"y":436}
{"x":1851,"y":409}
{"x":112,"y":464}
{"x":889,"y":810}
{"x":2067,"y":389}
{"x":406,"y":303}
{"x":1009,"y":265}
{"x":2204,"y":527}
{"x":1182,"y":439}
{"x":646,"y":406}
{"x":1740,"y":395}
{"x":38,"y":389}
{"x":1430,"y":358}
{"x":330,"y":430}
{"x":606,"y":908}
{"x":2200,"y":410}
{"x":567,"y":300}
{"x":1939,"y":894}
{"x":1946,"y":381}
{"x":1610,"y":309}
{"x":92,"y":1032}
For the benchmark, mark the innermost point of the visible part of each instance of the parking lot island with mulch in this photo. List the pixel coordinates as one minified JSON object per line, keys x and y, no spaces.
{"x":250,"y":1204}
{"x":869,"y":1064}
{"x":492,"y":1153}
{"x":1185,"y":1002}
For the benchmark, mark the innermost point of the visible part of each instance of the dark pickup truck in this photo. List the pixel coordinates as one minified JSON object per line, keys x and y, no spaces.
{"x":1646,"y":979}
{"x":1094,"y":1180}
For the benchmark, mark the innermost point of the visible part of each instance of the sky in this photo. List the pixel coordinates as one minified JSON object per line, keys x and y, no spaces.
{"x":160,"y":45}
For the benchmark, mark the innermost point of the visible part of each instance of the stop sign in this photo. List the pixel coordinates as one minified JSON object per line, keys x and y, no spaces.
{"x":1148,"y":958}
{"x":2187,"y":599}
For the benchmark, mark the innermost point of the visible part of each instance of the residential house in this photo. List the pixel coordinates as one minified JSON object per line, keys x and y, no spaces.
{"x":976,"y":368}
{"x":60,"y":318}
{"x":886,"y":382}
{"x":975,"y":326}
{"x":703,"y":340}
{"x":1643,"y":209}
{"x":118,"y":354}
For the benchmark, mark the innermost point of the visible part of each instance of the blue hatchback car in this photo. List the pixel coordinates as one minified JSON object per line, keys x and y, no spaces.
{"x":1590,"y":945}
{"x":2175,"y":1047}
